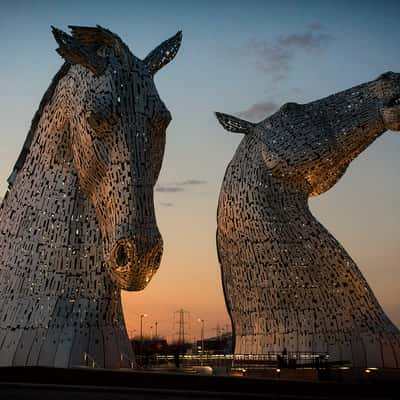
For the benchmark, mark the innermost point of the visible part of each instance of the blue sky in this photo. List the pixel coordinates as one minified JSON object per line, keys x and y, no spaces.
{"x":235,"y":58}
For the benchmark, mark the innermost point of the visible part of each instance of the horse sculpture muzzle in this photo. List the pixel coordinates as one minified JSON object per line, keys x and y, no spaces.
{"x":390,"y":83}
{"x":391,"y":114}
{"x":132,"y":263}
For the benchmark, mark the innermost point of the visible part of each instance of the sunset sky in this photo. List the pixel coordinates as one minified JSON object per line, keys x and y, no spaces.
{"x":244,"y":58}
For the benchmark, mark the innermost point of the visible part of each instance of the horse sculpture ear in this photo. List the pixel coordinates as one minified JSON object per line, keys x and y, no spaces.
{"x":234,"y":124}
{"x":163,"y":53}
{"x":74,"y":52}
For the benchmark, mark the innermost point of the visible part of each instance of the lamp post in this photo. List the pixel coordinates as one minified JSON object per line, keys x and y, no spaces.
{"x":141,"y":331}
{"x":202,"y":338}
{"x":141,"y":326}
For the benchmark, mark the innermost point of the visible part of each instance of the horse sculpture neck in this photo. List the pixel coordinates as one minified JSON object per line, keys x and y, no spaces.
{"x":288,"y":282}
{"x":264,"y":196}
{"x":55,"y":291}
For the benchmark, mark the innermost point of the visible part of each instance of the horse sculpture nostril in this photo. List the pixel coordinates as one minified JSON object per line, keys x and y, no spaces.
{"x":122,"y":257}
{"x":393,"y":102}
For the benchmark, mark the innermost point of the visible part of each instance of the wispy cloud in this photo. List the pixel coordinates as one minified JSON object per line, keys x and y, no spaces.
{"x":313,"y":38}
{"x":258,"y":111}
{"x":179,"y":186}
{"x":275,"y":57}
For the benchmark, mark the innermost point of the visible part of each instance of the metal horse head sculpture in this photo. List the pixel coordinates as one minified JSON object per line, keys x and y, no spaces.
{"x":288,"y":283}
{"x":117,"y":128}
{"x":312,"y":144}
{"x":81,"y":197}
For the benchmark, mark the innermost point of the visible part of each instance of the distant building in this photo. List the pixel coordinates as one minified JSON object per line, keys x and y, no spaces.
{"x":149,"y":346}
{"x":216,"y":345}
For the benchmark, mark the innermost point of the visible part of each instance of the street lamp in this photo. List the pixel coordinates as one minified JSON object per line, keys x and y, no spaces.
{"x":141,"y":326}
{"x":141,"y":332}
{"x":202,"y":336}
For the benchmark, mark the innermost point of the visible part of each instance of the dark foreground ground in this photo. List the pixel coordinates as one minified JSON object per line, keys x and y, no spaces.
{"x":61,"y":384}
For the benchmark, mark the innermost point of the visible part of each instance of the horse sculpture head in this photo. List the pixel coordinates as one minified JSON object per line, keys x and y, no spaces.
{"x":116,"y":125}
{"x":311,"y":145}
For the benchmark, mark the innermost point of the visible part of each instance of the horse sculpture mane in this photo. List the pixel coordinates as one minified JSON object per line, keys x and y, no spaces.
{"x":89,"y":36}
{"x":35,"y":121}
{"x":289,"y":285}
{"x":78,"y":224}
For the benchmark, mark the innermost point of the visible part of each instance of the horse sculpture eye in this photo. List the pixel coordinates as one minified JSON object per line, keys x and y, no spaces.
{"x":122,"y":257}
{"x":288,"y":107}
{"x":101,"y":122}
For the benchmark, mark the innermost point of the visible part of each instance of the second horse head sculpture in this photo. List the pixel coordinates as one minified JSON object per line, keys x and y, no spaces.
{"x":288,"y":283}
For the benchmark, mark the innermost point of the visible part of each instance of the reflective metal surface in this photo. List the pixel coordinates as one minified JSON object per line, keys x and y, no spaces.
{"x":288,"y":282}
{"x":77,"y":224}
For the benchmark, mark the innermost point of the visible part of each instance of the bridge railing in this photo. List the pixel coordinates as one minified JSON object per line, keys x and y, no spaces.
{"x":90,"y":361}
{"x":257,"y":361}
{"x":132,"y":362}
